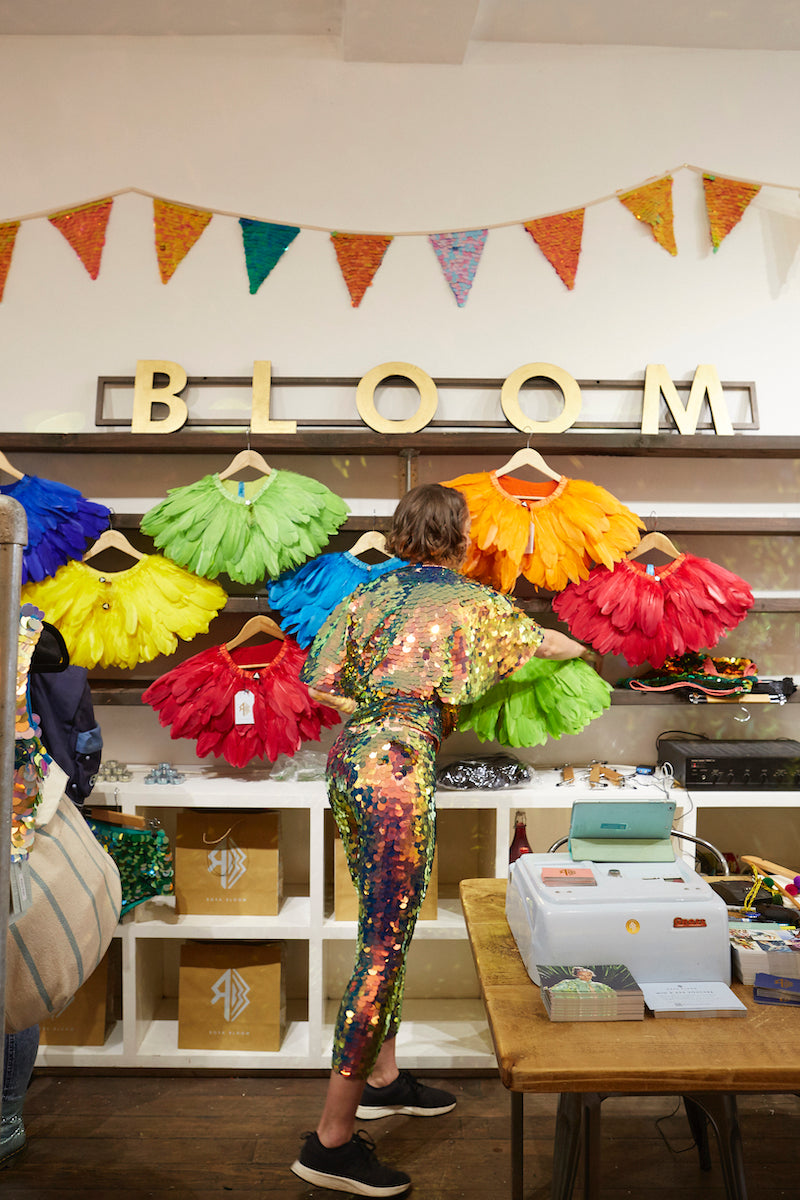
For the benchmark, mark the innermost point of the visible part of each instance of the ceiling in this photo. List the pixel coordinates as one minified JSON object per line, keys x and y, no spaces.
{"x":426,"y":31}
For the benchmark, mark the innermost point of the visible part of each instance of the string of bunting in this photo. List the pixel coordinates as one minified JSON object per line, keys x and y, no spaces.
{"x":178,"y":227}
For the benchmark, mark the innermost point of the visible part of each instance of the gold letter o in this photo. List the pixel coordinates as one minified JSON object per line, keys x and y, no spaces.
{"x":509,"y":398}
{"x":365,"y":398}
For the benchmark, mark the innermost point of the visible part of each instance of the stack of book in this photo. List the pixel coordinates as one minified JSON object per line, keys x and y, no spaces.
{"x":776,"y":989}
{"x":591,"y":992}
{"x":764,"y":946}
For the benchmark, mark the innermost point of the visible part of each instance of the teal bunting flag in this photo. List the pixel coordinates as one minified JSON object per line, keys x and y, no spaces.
{"x":264,"y":243}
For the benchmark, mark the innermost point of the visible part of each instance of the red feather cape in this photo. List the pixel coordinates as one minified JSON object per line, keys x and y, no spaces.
{"x":197,"y":699}
{"x":688,"y":604}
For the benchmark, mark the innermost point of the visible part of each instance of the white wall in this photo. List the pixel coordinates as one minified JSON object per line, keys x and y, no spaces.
{"x":280,"y":130}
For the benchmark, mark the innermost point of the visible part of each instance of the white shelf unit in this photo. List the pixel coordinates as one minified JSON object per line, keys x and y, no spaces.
{"x":441,"y":1032}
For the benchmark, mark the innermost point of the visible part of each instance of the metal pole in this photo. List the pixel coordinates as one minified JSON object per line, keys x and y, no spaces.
{"x":13,"y":536}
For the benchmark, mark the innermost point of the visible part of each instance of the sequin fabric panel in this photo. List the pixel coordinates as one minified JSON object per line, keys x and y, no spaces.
{"x":421,"y":631}
{"x":31,"y":761}
{"x":381,"y":789}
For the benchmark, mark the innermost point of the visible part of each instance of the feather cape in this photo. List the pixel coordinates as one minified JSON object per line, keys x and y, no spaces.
{"x":306,"y":597}
{"x":61,"y":523}
{"x":646,"y":616}
{"x":247,"y":531}
{"x":197,"y":700}
{"x":121,"y":618}
{"x":548,"y":532}
{"x":544,"y":698}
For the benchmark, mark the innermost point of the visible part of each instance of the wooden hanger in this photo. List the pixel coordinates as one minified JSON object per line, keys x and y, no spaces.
{"x":257,"y":624}
{"x":112,"y":539}
{"x":372,"y":540}
{"x":526,"y":457}
{"x":655,"y":541}
{"x":6,"y":467}
{"x":246,"y":458}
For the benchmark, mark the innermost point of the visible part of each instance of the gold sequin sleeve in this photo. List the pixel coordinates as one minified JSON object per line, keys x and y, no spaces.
{"x":420,"y":631}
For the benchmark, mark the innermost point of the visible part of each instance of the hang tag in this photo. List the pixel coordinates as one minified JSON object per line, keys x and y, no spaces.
{"x":531,"y":535}
{"x":20,"y":875}
{"x":243,"y":708}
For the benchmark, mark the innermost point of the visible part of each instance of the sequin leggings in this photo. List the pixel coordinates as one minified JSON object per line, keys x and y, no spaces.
{"x":381,"y":789}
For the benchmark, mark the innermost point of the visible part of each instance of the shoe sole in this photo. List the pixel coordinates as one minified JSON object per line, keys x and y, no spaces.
{"x":371,"y":1112}
{"x":338,"y":1183}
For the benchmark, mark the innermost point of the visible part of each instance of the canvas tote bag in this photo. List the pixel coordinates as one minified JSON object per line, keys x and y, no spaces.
{"x":75,"y":899}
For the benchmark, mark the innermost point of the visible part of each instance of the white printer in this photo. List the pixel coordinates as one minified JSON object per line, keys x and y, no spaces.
{"x":619,"y":895}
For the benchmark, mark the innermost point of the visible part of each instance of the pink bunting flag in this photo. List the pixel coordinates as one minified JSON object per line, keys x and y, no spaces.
{"x":84,"y":228}
{"x":459,"y":255}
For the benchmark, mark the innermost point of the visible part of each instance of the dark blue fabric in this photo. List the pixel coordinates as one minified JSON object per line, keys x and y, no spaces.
{"x":70,"y":733}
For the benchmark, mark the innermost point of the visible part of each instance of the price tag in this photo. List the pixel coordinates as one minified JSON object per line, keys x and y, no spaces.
{"x":531,"y":534}
{"x":20,"y":887}
{"x":243,"y":708}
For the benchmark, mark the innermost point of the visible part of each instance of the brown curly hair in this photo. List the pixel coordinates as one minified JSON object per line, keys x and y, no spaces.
{"x":429,"y":525}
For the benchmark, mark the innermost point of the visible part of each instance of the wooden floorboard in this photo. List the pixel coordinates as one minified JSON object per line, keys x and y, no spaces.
{"x":134,"y":1137}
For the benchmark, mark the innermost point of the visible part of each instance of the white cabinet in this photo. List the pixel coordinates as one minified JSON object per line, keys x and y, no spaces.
{"x":443,"y":1024}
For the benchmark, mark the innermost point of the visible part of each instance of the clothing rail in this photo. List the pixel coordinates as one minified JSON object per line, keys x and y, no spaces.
{"x":13,"y":536}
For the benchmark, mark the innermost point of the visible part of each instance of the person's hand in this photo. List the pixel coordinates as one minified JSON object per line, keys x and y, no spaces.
{"x":592,"y":657}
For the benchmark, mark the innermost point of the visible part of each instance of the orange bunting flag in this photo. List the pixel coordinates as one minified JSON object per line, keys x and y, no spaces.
{"x":84,"y":228}
{"x":559,"y":239}
{"x":8,"y":234}
{"x":359,"y":255}
{"x":726,"y":200}
{"x":653,"y":205}
{"x":177,"y":230}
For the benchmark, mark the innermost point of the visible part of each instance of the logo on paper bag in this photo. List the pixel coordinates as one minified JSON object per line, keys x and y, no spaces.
{"x":234,"y":993}
{"x":228,"y":861}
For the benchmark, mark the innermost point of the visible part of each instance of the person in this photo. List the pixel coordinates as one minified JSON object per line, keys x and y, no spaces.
{"x":18,"y":1063}
{"x":398,"y":656}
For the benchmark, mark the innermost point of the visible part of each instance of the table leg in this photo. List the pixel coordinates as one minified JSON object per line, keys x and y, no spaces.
{"x":566,"y":1145}
{"x":720,"y":1108}
{"x":591,"y":1145}
{"x":698,"y":1124}
{"x":517,"y":1113}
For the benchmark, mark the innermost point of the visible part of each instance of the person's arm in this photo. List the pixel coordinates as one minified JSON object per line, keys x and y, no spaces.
{"x":342,"y":704}
{"x":558,"y":645}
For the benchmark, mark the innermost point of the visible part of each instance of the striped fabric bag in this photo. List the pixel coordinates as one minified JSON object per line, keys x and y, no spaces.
{"x":55,"y":944}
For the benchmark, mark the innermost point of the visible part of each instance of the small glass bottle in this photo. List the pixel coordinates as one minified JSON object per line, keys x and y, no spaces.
{"x":519,"y":843}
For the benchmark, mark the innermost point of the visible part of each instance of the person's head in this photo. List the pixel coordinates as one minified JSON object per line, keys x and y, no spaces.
{"x":583,"y":973}
{"x":430,"y":524}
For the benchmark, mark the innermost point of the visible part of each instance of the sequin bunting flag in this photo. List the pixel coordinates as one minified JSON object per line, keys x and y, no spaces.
{"x":653,"y":205}
{"x":8,"y":235}
{"x":459,"y":255}
{"x":84,"y":228}
{"x":264,"y":244}
{"x":359,"y":256}
{"x":559,"y":239}
{"x":177,"y":229}
{"x":726,"y":200}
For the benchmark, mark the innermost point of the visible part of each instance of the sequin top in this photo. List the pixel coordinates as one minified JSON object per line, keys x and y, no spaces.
{"x":419,"y":633}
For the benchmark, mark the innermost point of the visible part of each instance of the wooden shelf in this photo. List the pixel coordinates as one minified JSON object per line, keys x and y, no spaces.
{"x":356,"y":439}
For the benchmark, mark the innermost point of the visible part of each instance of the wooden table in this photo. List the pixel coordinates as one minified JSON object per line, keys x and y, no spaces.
{"x":707,"y":1061}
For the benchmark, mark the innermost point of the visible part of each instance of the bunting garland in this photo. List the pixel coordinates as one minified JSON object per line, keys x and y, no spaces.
{"x":8,"y":235}
{"x":177,"y":230}
{"x":84,"y":228}
{"x":264,"y":244}
{"x":559,"y":239}
{"x":459,"y":255}
{"x":726,"y":200}
{"x":653,"y":205}
{"x":359,"y":256}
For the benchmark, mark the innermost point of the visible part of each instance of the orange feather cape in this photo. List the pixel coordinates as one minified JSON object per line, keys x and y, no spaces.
{"x":548,"y":531}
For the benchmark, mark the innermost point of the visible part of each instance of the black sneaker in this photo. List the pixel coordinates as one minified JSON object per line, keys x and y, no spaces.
{"x":352,"y":1167}
{"x":404,"y":1096}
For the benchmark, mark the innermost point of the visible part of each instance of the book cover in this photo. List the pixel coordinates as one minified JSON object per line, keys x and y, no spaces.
{"x":764,"y":946}
{"x":590,"y":992}
{"x":692,"y":999}
{"x":775,"y":989}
